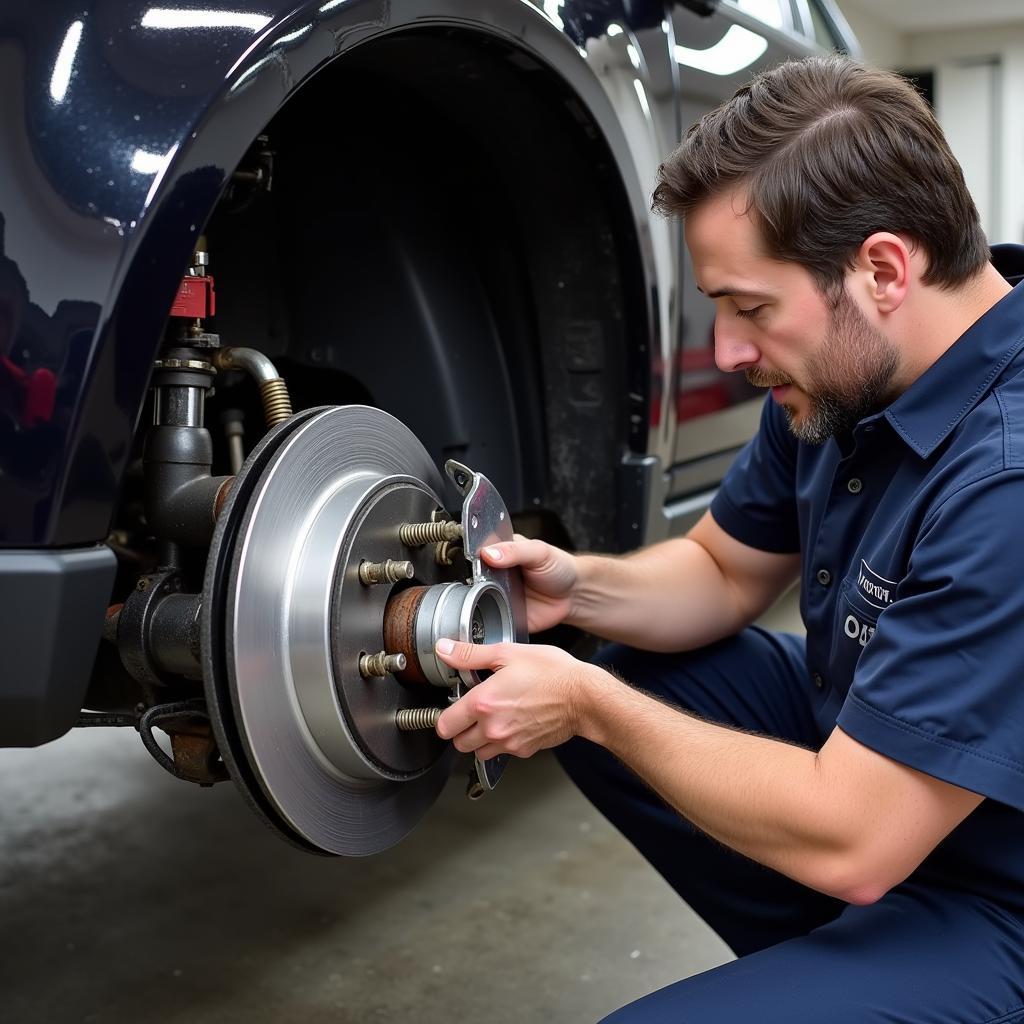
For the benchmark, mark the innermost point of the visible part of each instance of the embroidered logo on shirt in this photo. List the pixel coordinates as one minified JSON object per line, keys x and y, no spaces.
{"x":875,"y":589}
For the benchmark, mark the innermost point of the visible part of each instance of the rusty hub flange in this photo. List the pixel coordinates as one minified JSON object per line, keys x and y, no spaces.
{"x":400,"y":631}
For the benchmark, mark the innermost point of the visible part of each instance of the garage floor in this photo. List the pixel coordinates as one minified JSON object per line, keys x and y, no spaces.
{"x":127,"y":896}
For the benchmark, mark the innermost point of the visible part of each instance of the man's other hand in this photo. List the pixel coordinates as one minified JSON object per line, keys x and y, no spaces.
{"x":533,"y":700}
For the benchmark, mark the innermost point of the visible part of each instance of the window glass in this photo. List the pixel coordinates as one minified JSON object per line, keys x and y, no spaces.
{"x":821,"y":28}
{"x":772,"y":12}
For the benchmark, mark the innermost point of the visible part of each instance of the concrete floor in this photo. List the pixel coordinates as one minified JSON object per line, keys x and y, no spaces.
{"x":126,"y":896}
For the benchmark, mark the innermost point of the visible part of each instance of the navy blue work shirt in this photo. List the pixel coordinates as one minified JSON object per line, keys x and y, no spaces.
{"x":911,"y":535}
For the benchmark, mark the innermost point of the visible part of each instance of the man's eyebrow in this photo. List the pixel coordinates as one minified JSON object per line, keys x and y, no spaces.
{"x":733,"y":292}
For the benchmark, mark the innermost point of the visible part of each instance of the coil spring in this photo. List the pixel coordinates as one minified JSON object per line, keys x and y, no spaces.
{"x":277,"y":406}
{"x":411,"y":719}
{"x":415,"y":535}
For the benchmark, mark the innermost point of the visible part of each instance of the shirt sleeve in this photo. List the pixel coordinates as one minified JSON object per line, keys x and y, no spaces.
{"x":756,"y":503}
{"x":940,"y":685}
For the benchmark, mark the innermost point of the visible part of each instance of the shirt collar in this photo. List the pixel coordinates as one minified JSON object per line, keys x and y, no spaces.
{"x":954,"y":384}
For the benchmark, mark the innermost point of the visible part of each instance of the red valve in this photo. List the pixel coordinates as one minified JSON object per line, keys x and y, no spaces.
{"x":195,"y":298}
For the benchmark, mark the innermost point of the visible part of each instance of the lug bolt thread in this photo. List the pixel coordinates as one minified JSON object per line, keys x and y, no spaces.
{"x":415,"y":535}
{"x":277,"y":406}
{"x":381,"y":664}
{"x":388,"y":571}
{"x":413,"y":719}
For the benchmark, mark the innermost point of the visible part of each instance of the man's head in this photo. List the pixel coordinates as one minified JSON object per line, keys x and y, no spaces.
{"x":815,"y":200}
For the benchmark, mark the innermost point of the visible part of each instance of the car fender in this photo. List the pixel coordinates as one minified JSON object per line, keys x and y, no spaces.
{"x":122,"y":124}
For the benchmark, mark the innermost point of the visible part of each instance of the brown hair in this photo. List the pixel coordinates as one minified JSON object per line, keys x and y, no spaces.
{"x":828,"y":152}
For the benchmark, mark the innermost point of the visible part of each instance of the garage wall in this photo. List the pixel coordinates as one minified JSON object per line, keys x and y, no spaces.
{"x":979,"y":93}
{"x":883,"y":43}
{"x":987,"y":135}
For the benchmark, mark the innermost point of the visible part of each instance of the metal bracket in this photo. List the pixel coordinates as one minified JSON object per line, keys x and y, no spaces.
{"x":486,"y":520}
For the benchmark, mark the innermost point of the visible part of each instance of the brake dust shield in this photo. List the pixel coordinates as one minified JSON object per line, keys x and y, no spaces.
{"x":310,"y":742}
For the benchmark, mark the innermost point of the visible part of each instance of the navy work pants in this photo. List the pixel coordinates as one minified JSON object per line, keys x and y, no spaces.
{"x":924,"y":954}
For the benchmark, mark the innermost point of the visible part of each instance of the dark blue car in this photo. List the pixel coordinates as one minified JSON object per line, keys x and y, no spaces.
{"x":265,"y":269}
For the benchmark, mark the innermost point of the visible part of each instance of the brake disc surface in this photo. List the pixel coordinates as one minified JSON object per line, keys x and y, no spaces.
{"x":310,"y":742}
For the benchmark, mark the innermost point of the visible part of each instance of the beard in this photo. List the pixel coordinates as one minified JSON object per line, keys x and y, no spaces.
{"x":848,"y":378}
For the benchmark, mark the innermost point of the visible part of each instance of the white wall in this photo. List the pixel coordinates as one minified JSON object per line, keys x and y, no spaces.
{"x":950,"y":52}
{"x":979,"y":100}
{"x":884,"y":45}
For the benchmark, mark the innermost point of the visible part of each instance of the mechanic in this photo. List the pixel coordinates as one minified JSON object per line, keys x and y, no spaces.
{"x":877,"y":766}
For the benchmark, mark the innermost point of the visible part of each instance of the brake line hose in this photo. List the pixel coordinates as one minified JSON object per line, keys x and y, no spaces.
{"x":277,"y":405}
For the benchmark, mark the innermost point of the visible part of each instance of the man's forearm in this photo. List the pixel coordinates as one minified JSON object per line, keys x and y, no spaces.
{"x":762,"y":797}
{"x":670,"y":597}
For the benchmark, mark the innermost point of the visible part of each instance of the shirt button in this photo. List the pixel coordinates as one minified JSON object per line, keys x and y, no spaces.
{"x":824,"y":577}
{"x":818,"y":681}
{"x":854,"y":486}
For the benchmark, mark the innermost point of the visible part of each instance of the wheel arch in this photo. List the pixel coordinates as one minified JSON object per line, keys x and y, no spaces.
{"x":272,"y":76}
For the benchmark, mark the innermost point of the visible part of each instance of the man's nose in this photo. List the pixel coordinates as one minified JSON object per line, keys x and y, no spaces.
{"x":733,"y":351}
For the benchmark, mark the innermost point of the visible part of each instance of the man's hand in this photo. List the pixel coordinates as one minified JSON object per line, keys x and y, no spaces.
{"x":548,"y":572}
{"x":532,"y":701}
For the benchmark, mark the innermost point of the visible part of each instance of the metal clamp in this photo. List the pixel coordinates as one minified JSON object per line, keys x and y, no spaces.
{"x":486,"y":520}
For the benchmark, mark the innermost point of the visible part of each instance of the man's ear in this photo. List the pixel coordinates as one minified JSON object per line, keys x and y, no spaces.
{"x":884,"y":265}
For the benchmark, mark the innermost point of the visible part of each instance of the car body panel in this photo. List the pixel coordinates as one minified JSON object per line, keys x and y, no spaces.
{"x":115,"y":172}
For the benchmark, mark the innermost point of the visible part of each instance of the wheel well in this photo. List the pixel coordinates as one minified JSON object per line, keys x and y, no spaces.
{"x":446,"y":237}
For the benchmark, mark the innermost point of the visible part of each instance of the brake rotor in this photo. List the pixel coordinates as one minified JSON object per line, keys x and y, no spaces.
{"x":312,"y":744}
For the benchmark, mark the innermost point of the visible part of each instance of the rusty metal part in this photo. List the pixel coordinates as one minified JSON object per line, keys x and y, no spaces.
{"x":222,"y":496}
{"x":415,"y":535}
{"x":388,"y":571}
{"x":196,"y":758}
{"x":381,"y":664}
{"x":400,"y":631}
{"x":187,"y":722}
{"x":413,"y":719}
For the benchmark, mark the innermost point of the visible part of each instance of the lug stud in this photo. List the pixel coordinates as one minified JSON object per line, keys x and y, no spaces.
{"x":413,"y":719}
{"x":381,"y":664}
{"x":415,"y":535}
{"x":388,"y":571}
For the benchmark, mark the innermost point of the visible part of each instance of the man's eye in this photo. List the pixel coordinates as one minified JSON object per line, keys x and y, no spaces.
{"x":753,"y":311}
